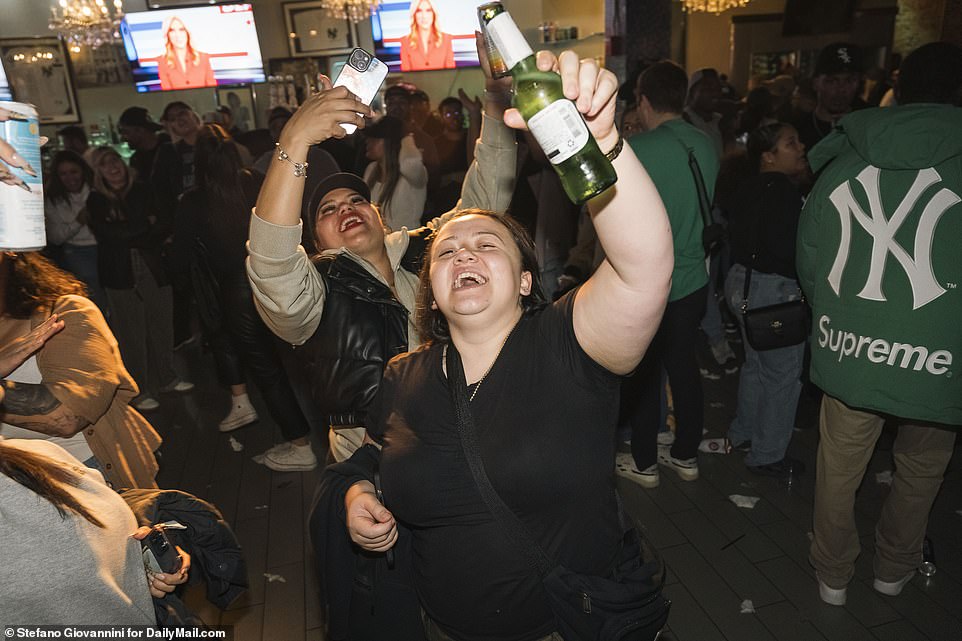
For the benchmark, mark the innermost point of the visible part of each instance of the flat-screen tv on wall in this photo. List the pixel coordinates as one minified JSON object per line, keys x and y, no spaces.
{"x":193,"y":47}
{"x":448,"y":26}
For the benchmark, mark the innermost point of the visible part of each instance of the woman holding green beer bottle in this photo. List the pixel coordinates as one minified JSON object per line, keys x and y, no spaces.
{"x":541,"y":383}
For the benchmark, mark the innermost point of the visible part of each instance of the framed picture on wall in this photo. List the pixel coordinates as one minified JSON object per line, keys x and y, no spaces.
{"x":311,"y":32}
{"x":105,"y":65}
{"x":39,"y":72}
{"x":240,"y":100}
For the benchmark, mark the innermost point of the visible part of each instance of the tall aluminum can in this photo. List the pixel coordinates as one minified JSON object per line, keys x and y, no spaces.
{"x":21,"y":186}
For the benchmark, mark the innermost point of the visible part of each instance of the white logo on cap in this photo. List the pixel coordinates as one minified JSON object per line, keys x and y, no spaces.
{"x":844,"y":55}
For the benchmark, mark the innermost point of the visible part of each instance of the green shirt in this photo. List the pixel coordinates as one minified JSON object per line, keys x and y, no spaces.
{"x":666,"y":159}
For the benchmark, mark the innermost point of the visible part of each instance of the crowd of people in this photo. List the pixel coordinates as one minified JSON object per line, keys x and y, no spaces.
{"x":431,"y":252}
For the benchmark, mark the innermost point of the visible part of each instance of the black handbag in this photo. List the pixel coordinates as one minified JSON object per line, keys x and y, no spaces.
{"x":625,"y":605}
{"x":774,"y":326}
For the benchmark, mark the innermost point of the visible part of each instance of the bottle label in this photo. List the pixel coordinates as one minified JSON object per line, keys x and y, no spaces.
{"x":508,"y":39}
{"x":560,"y":130}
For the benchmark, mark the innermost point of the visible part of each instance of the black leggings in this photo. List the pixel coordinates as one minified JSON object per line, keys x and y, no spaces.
{"x":674,"y":349}
{"x":245,"y":344}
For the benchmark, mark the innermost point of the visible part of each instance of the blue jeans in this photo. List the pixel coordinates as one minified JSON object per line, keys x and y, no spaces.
{"x":769,"y":383}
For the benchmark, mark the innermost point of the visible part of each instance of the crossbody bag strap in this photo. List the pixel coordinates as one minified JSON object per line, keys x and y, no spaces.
{"x":510,"y":523}
{"x":704,"y":204}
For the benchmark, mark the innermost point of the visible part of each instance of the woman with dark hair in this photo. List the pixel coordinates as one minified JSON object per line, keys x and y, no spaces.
{"x":72,"y":390}
{"x":542,"y":384}
{"x":219,"y":210}
{"x":396,"y":175}
{"x":131,"y":232}
{"x":763,"y":222}
{"x":426,"y":46}
{"x":66,"y":188}
{"x":71,"y":553}
{"x":182,"y":66}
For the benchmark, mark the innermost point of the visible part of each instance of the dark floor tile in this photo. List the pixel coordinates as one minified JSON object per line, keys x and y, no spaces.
{"x":930,"y":618}
{"x":687,"y":620}
{"x":248,"y":624}
{"x":714,"y":595}
{"x":786,"y":623}
{"x":284,"y":604}
{"x":647,"y":516}
{"x":740,"y":575}
{"x":801,"y":589}
{"x":253,"y":536}
{"x":287,"y":522}
{"x":898,"y":631}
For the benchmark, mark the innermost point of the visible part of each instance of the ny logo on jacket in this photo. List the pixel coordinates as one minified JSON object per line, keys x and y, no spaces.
{"x":882,"y":229}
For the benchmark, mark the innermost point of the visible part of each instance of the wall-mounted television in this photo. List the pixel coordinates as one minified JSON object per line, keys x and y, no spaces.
{"x":193,"y":47}
{"x":450,"y":42}
{"x":5,"y":93}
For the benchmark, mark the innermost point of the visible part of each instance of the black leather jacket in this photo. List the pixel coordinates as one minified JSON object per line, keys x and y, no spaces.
{"x":363,"y":327}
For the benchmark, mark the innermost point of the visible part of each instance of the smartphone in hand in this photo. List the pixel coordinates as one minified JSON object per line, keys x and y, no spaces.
{"x":160,"y":555}
{"x":363,"y":75}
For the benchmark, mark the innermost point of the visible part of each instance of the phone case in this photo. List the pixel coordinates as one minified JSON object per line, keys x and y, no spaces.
{"x":159,"y":554}
{"x":363,"y":84}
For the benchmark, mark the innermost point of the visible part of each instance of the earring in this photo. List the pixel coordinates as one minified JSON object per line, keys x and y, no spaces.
{"x":434,"y":304}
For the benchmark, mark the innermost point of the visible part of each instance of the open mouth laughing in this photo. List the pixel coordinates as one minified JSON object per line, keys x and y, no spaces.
{"x":469,"y":279}
{"x":350,"y":222}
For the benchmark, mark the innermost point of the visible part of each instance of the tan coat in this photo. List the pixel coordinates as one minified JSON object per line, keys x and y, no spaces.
{"x":82,"y":368}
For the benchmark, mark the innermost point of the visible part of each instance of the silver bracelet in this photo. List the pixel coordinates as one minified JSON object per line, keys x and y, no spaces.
{"x":300,"y":168}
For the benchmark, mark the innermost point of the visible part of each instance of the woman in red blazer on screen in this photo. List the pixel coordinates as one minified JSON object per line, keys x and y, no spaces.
{"x":426,"y":47}
{"x":182,"y":66}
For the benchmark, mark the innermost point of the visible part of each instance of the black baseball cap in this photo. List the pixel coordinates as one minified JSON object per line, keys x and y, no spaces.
{"x":340,"y":180}
{"x":838,"y":57}
{"x":138,"y":117}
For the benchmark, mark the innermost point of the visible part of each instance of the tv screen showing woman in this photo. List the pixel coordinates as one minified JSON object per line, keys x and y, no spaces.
{"x":425,"y":35}
{"x":193,"y":47}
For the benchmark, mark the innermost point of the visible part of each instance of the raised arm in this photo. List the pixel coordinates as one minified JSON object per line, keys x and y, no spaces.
{"x":411,"y":162}
{"x":288,"y":291}
{"x":489,"y":182}
{"x":618,"y":310}
{"x":80,"y":377}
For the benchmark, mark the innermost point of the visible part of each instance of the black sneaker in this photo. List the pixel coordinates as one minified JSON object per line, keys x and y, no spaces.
{"x":745,"y":447}
{"x":779,"y":469}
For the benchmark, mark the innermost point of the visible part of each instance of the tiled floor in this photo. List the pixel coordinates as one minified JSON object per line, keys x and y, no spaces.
{"x":722,"y":559}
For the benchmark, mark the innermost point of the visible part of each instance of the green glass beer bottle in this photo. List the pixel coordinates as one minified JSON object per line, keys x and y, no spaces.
{"x":554,"y":121}
{"x":495,"y":61}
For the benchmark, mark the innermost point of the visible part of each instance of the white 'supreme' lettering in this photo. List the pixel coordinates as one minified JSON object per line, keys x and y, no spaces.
{"x":918,"y":268}
{"x":882,"y":352}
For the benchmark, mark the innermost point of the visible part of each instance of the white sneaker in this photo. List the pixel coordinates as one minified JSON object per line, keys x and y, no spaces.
{"x":241,"y":413}
{"x":666,"y":438}
{"x":625,"y":467}
{"x":287,"y":457}
{"x":145,"y":403}
{"x":832,"y":596}
{"x":177,"y":385}
{"x":892,"y":588}
{"x":687,"y":469}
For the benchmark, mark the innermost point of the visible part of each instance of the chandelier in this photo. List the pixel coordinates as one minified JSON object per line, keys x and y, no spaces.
{"x":87,"y":23}
{"x":353,"y":10}
{"x":711,"y":6}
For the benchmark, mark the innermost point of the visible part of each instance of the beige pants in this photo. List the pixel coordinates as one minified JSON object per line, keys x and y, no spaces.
{"x":848,"y":438}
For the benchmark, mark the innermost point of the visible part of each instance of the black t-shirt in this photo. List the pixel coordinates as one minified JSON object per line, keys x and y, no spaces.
{"x":545,"y":416}
{"x":763,"y":219}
